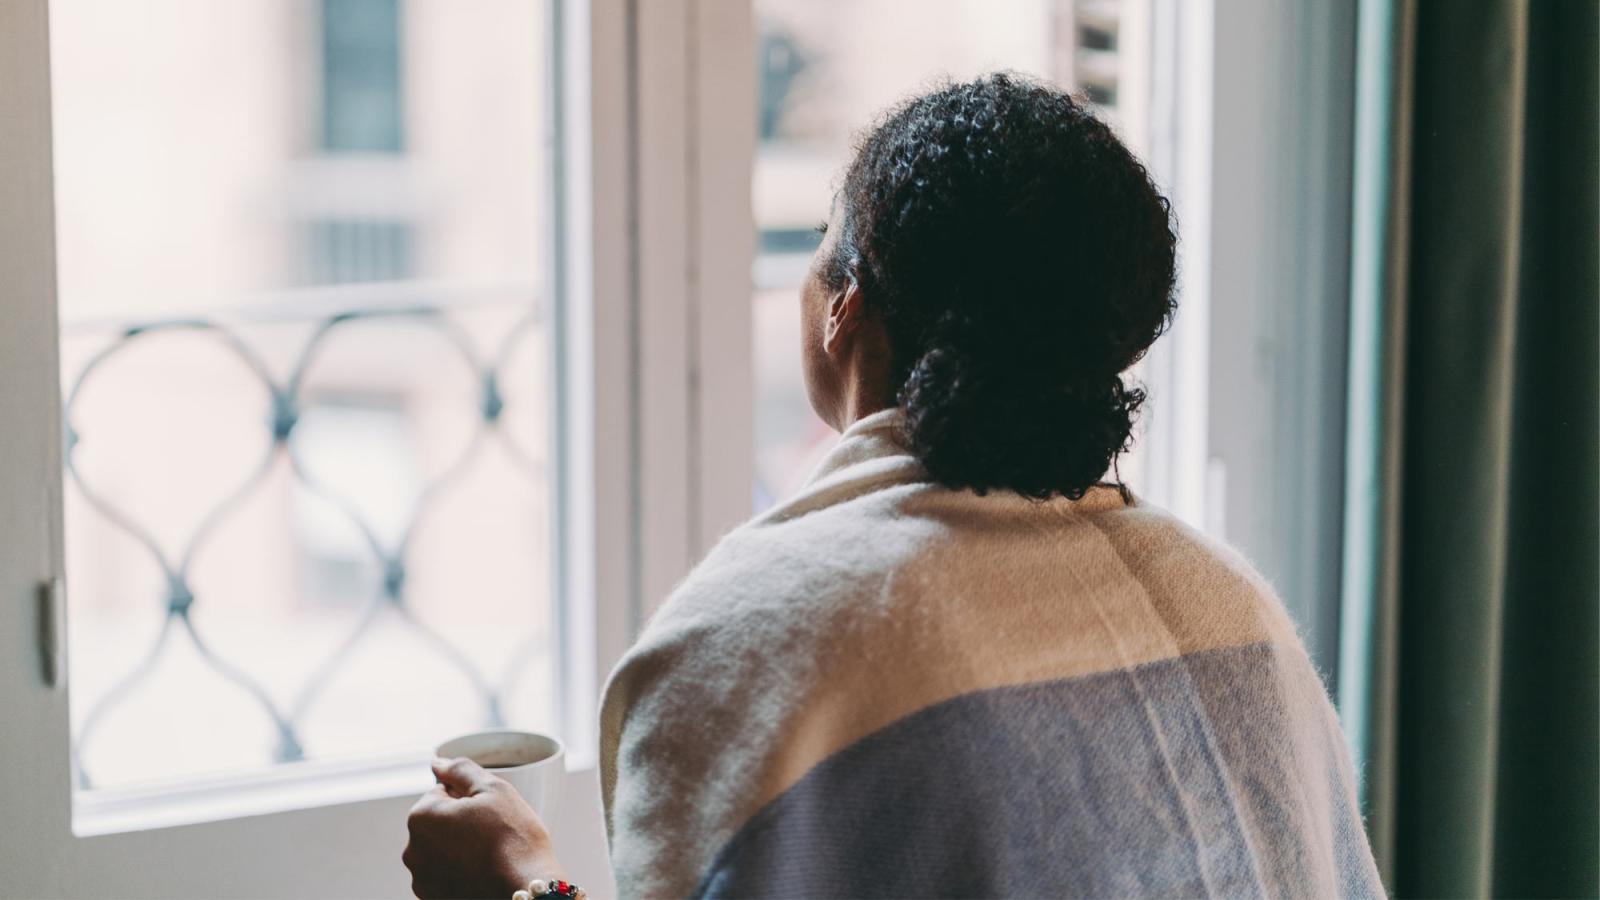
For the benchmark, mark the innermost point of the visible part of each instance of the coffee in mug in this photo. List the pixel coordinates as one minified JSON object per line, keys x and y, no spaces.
{"x":533,"y":763}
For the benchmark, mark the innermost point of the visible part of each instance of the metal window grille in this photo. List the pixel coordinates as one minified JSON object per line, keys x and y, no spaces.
{"x":390,"y":556}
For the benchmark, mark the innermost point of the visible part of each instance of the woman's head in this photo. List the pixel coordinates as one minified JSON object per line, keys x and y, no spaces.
{"x":995,"y":259}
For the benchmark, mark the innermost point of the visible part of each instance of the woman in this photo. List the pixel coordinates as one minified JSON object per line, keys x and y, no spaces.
{"x":960,"y":662}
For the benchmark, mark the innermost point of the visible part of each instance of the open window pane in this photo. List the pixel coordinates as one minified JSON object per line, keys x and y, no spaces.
{"x":302,"y":256}
{"x":827,"y":67}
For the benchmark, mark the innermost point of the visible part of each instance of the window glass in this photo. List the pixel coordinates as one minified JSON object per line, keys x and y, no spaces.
{"x":827,"y":67}
{"x":301,"y":262}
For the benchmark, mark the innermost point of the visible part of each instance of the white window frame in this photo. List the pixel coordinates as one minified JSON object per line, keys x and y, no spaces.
{"x":653,"y":425}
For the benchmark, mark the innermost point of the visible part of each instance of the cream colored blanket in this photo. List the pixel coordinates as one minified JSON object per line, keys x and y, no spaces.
{"x":888,"y":688}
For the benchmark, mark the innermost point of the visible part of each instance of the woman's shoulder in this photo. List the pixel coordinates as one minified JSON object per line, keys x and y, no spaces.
{"x":1206,"y":590}
{"x":774,"y":571}
{"x":934,"y":546}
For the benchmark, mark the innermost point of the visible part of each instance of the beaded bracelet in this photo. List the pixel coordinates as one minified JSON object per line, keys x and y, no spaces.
{"x":540,"y":888}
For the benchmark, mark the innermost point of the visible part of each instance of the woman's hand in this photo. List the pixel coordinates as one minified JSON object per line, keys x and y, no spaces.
{"x":472,"y":835}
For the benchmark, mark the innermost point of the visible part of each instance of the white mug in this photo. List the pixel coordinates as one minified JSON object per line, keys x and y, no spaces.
{"x":533,"y":763}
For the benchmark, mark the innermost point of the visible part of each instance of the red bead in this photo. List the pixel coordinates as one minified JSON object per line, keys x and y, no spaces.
{"x":561,"y":887}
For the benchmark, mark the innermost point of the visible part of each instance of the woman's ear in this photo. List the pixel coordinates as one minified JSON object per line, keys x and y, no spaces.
{"x":845,"y":312}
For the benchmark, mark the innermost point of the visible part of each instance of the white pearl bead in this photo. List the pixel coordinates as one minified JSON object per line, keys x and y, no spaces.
{"x":521,"y":895}
{"x":538,"y":886}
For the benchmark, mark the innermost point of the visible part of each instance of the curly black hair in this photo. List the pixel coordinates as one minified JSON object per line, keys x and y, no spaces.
{"x":1021,"y":259}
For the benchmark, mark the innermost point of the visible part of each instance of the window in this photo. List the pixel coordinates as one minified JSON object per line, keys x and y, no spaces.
{"x":302,"y":266}
{"x":362,"y":105}
{"x":343,"y":378}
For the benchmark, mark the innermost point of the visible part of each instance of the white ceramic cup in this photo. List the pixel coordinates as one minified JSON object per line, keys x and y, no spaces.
{"x":533,"y":763}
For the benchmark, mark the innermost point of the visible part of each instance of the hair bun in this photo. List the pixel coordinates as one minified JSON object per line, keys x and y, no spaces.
{"x":980,"y":419}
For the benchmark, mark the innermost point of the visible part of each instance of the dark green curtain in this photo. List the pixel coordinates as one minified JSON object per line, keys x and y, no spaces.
{"x":1470,"y":677}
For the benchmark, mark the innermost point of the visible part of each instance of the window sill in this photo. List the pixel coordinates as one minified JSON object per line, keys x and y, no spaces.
{"x":283,"y":788}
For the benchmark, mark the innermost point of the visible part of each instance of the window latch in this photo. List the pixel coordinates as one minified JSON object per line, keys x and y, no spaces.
{"x":52,"y":631}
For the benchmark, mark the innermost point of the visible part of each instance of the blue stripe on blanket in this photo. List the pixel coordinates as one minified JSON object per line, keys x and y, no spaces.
{"x":1175,"y":778}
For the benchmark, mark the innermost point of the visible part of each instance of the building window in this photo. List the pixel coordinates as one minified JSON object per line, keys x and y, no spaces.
{"x":362,"y":110}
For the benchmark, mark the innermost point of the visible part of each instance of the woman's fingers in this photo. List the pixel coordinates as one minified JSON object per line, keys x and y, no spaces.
{"x":461,"y":776}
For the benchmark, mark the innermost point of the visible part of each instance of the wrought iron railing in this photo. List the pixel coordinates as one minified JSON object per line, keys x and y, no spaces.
{"x":390,"y":556}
